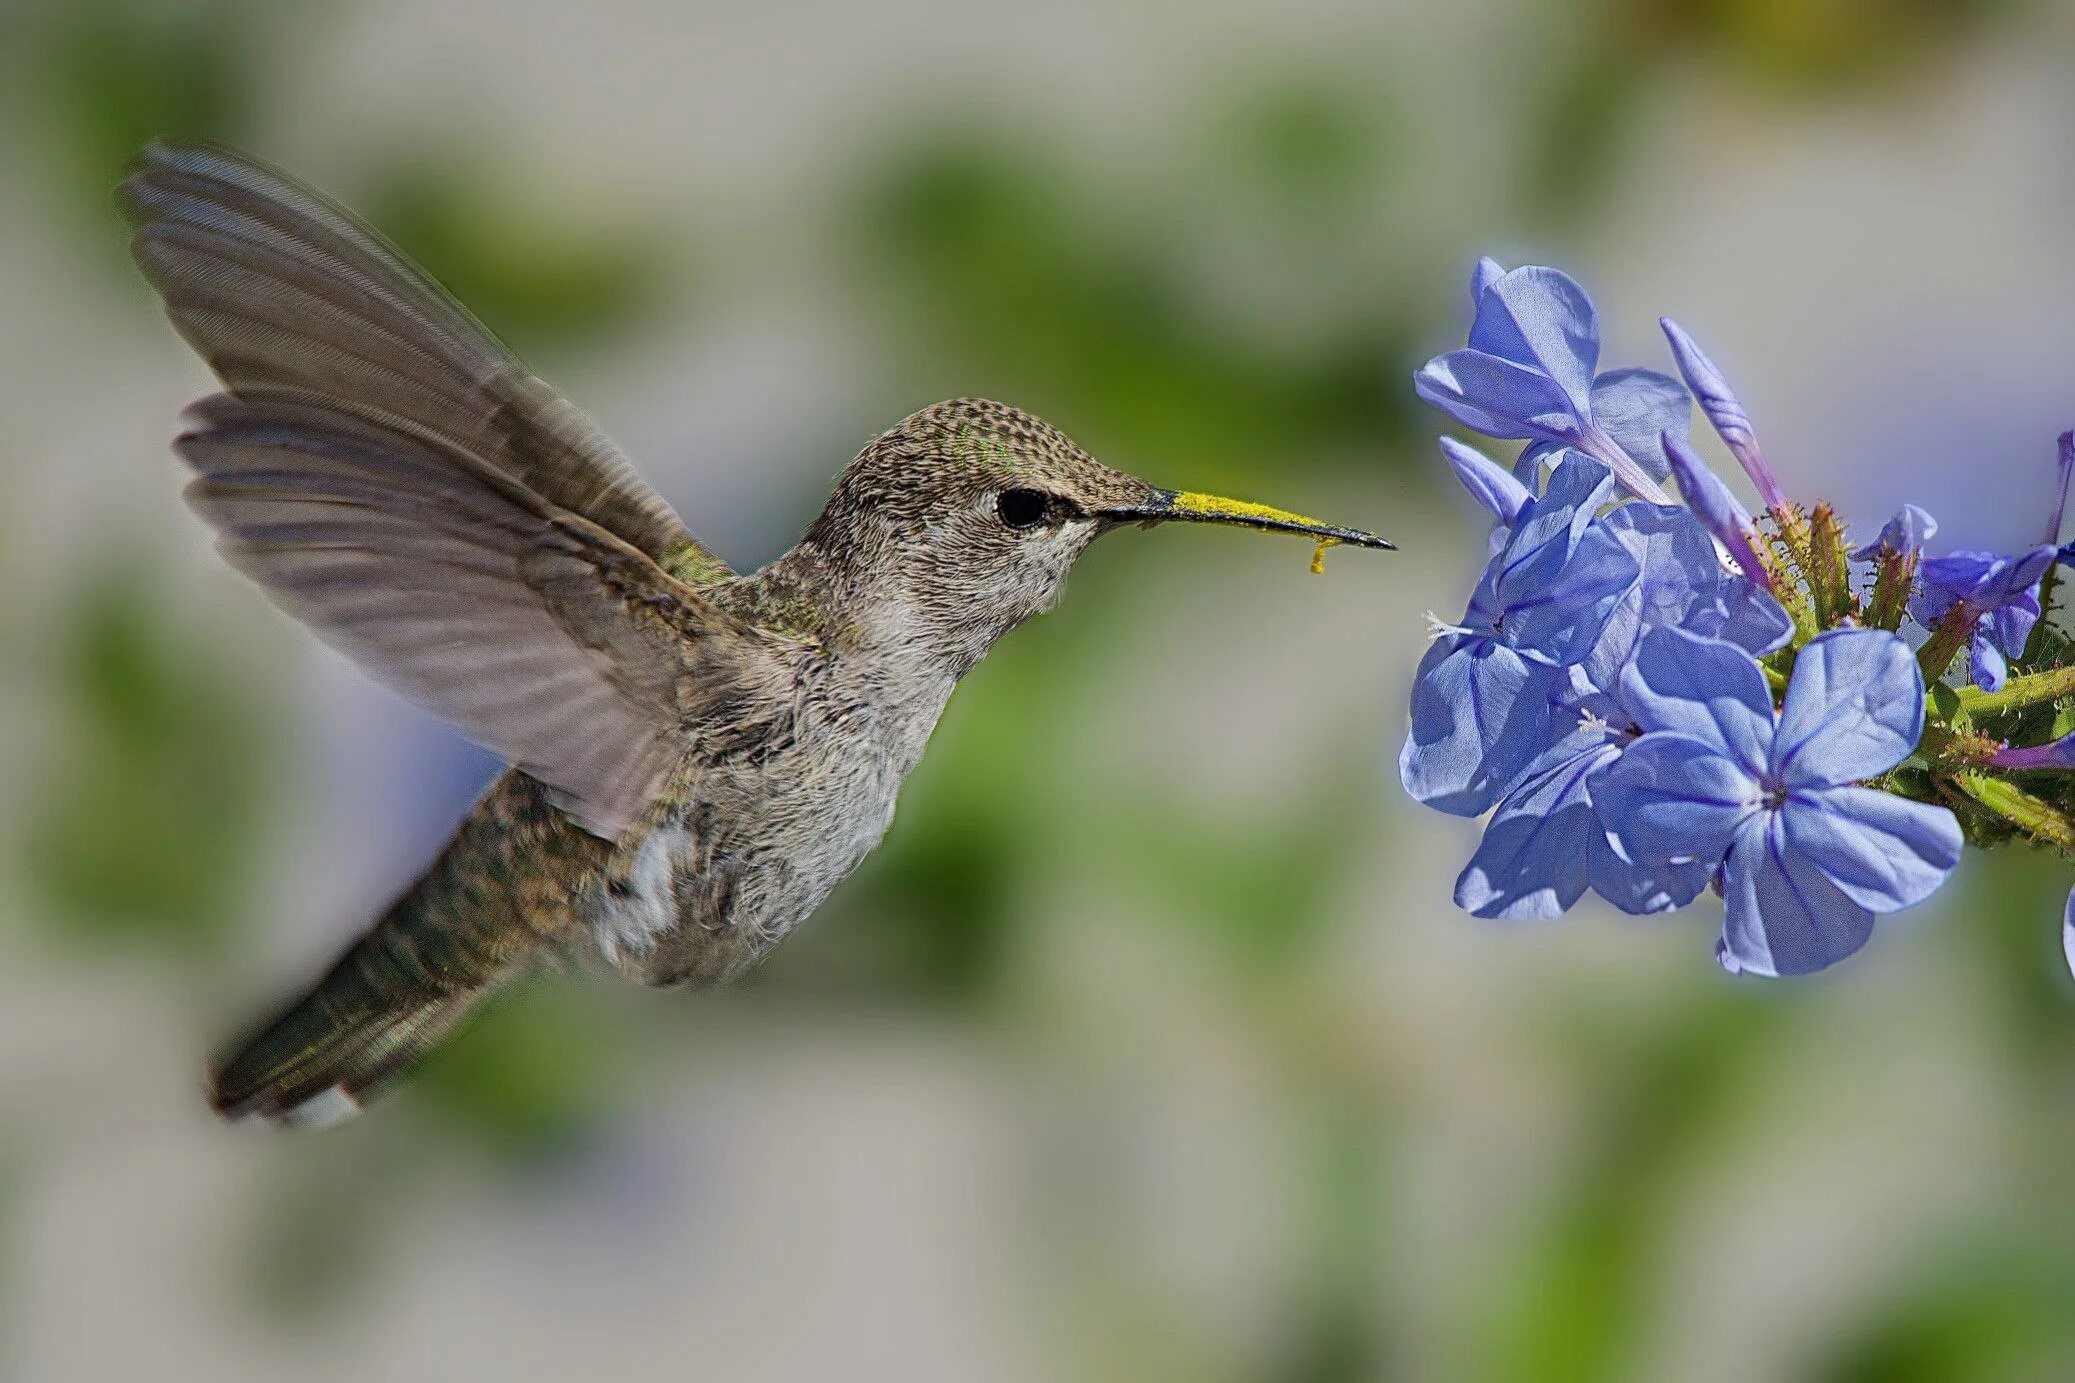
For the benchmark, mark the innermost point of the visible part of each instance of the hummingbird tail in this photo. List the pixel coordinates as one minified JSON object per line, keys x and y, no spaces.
{"x":402,"y":989}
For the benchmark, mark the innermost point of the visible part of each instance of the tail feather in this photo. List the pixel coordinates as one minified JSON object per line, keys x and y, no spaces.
{"x":495,"y":904}
{"x":320,"y":1060}
{"x":402,"y":989}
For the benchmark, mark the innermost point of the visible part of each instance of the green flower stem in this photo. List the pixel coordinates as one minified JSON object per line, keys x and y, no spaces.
{"x":2036,"y":819}
{"x":1947,"y":639}
{"x":2028,"y":690}
{"x":1829,"y":573}
{"x":1891,"y":587}
{"x":1792,"y":526}
{"x":1955,"y":748}
{"x":1788,"y":564}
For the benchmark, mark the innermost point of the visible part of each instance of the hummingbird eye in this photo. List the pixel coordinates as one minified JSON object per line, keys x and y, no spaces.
{"x":1022,"y":508}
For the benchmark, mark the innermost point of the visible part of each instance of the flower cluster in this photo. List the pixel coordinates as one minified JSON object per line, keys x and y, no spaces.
{"x":1653,"y":693}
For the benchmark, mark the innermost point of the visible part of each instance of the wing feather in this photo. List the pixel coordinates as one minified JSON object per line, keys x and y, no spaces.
{"x":533,"y":630}
{"x":288,"y":295}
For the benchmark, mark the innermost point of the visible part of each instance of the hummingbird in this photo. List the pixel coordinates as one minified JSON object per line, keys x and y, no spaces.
{"x":697,"y":757}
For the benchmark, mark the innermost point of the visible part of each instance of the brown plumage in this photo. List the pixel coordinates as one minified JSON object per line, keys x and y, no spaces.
{"x":698,"y":757}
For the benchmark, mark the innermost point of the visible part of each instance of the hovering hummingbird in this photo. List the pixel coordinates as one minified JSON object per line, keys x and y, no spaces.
{"x":697,"y":757}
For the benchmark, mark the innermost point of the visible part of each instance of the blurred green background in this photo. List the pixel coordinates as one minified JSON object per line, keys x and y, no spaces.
{"x":1149,"y":1046}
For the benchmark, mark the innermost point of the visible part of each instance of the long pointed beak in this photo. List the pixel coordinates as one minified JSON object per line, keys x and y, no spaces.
{"x":1187,"y":506}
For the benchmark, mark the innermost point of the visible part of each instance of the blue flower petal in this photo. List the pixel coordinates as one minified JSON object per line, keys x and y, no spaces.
{"x":1527,"y":467}
{"x":1904,"y":535}
{"x":1637,"y":407}
{"x":1555,"y":614}
{"x":1578,"y":485}
{"x":1533,"y":860}
{"x":1784,"y":916}
{"x":1676,"y":572}
{"x":1704,"y":688}
{"x":2002,"y":635}
{"x":1480,"y":714}
{"x":2058,"y":753}
{"x":1984,"y":581}
{"x":1489,"y":483}
{"x":1541,"y":318}
{"x":1986,"y":665}
{"x":1747,"y":615}
{"x":1713,"y":502}
{"x":1496,"y":397}
{"x":1719,"y":402}
{"x":1854,"y":709}
{"x":2021,"y":574}
{"x":1642,"y":887}
{"x":1883,"y":852}
{"x":1487,"y":272}
{"x":1671,"y":797}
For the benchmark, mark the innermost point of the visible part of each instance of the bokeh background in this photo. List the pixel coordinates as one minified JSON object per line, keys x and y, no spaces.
{"x":1149,"y":1047}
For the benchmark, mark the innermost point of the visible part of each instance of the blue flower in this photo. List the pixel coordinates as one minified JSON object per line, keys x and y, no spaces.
{"x":1545,"y":845}
{"x":1636,"y":408}
{"x":1993,"y":599}
{"x":1901,"y":537}
{"x":1725,"y":518}
{"x":1720,"y":403}
{"x":1680,"y":584}
{"x":1805,"y":858}
{"x":2059,"y":754}
{"x":1481,"y":697}
{"x":1489,"y":483}
{"x":1528,"y":373}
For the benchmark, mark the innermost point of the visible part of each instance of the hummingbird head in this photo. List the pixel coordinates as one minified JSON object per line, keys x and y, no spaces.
{"x":962,"y":521}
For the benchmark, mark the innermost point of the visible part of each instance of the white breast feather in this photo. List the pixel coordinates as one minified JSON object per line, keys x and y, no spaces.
{"x":630,"y":923}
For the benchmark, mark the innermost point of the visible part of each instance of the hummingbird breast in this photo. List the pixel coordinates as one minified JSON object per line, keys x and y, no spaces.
{"x":764,"y":827}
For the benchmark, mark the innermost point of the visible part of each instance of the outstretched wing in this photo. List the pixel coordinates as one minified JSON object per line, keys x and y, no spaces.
{"x":395,"y":479}
{"x":286,"y":293}
{"x":531,"y":629}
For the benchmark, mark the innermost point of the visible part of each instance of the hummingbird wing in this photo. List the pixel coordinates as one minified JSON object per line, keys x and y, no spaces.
{"x":287,"y":294}
{"x":532,"y":629}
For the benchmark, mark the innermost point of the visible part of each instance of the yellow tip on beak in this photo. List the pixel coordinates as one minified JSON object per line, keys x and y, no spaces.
{"x":1189,"y":506}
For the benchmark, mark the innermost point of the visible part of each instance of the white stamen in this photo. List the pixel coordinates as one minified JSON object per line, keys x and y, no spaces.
{"x":1439,"y":628}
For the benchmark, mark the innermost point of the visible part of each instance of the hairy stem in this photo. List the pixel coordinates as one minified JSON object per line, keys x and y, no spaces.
{"x":1896,"y":574}
{"x":2028,"y":690}
{"x":2043,"y":823}
{"x":1947,"y":639}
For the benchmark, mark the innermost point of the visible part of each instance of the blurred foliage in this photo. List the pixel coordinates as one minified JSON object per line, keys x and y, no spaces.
{"x":530,"y":1079}
{"x":1814,"y":49}
{"x":2019,"y":894}
{"x":10,"y":1254}
{"x":1335,"y":1331}
{"x":1018,"y":275}
{"x":89,"y":81}
{"x":321,"y":1216}
{"x":1993,"y":1310}
{"x":1602,"y":64}
{"x":146,"y":819}
{"x":537,"y":276}
{"x":1582,"y":1301}
{"x":1261,"y":886}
